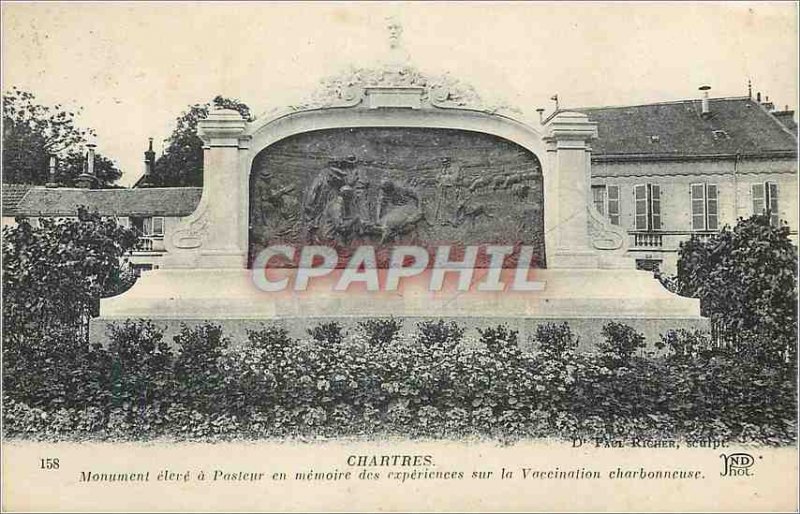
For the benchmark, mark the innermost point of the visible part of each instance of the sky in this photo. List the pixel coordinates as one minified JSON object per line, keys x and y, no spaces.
{"x":134,"y":66}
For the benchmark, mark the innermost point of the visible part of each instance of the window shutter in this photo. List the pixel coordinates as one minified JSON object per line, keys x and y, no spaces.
{"x":758,"y":198}
{"x":640,"y":207}
{"x":772,"y":189}
{"x":147,"y":226}
{"x":712,"y":207}
{"x":158,"y":226}
{"x":698,"y":207}
{"x":655,"y":207}
{"x":599,"y":198}
{"x":613,"y":204}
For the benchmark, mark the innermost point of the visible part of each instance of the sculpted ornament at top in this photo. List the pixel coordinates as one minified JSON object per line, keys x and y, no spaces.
{"x":347,"y":89}
{"x":440,"y":90}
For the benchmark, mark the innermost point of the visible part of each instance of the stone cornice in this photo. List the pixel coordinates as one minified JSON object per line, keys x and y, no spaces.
{"x":222,"y":127}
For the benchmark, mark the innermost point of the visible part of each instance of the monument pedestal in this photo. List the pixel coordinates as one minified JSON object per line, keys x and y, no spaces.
{"x":585,"y":298}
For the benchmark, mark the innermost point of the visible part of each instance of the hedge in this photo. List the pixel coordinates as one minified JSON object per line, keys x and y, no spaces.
{"x":437,"y":382}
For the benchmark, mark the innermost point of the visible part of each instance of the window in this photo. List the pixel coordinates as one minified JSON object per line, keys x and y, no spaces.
{"x":653,"y":265}
{"x":647,"y":207}
{"x":606,"y":200}
{"x":613,"y":204}
{"x":599,"y":198}
{"x":705,"y":210}
{"x":765,"y":200}
{"x":139,"y":268}
{"x":150,"y":226}
{"x":158,"y":226}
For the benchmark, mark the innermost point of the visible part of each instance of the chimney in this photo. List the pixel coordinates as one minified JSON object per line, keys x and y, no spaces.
{"x":758,"y":97}
{"x":149,"y":166}
{"x":704,"y":100}
{"x":90,"y":158}
{"x":51,"y":175}
{"x":87,"y":180}
{"x":540,"y":110}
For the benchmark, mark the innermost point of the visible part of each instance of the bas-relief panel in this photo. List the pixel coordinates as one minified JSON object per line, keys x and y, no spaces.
{"x":392,"y":186}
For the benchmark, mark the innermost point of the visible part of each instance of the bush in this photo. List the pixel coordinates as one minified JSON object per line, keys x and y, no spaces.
{"x":432,"y":384}
{"x":620,"y":345}
{"x":684,"y":345}
{"x":499,"y":339}
{"x":330,"y":332}
{"x":199,"y":381}
{"x":380,"y":332}
{"x":54,"y":275}
{"x":55,"y":370}
{"x":557,"y":371}
{"x":439,"y":333}
{"x":141,"y":364}
{"x":271,"y":339}
{"x":555,"y":341}
{"x":746,"y":280}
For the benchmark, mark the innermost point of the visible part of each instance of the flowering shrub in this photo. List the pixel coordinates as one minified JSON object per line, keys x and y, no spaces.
{"x":430,"y":333}
{"x":437,"y":382}
{"x":380,"y":332}
{"x":330,"y":332}
{"x":198,"y":378}
{"x":141,"y":364}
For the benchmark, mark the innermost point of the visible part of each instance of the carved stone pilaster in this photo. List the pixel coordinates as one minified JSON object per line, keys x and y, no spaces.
{"x":216,"y":231}
{"x":566,"y":190}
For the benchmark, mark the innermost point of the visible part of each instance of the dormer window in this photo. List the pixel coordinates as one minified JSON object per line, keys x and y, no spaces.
{"x":655,"y":139}
{"x":720,"y":134}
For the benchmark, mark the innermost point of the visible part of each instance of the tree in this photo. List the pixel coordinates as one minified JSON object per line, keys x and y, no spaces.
{"x":54,"y":275}
{"x":182,"y":161}
{"x":745,"y":278}
{"x":32,"y":133}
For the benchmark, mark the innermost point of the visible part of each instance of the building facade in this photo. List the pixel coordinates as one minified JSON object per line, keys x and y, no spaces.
{"x":152,"y":212}
{"x":668,"y":171}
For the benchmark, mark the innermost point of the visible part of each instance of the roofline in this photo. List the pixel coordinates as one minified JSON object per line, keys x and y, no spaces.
{"x":129,"y":189}
{"x":671,"y":102}
{"x":778,"y":121}
{"x":789,"y":154}
{"x":72,"y":213}
{"x":12,"y":211}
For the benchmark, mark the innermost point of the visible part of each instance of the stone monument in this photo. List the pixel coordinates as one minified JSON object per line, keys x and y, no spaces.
{"x":392,"y":156}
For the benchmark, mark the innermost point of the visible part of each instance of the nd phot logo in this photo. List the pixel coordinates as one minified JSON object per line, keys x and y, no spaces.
{"x":737,"y":465}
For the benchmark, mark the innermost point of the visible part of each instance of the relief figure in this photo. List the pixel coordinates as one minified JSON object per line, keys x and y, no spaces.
{"x":400,"y":210}
{"x":274,"y":208}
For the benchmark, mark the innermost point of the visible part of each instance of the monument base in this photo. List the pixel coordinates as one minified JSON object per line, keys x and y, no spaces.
{"x":585,"y":298}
